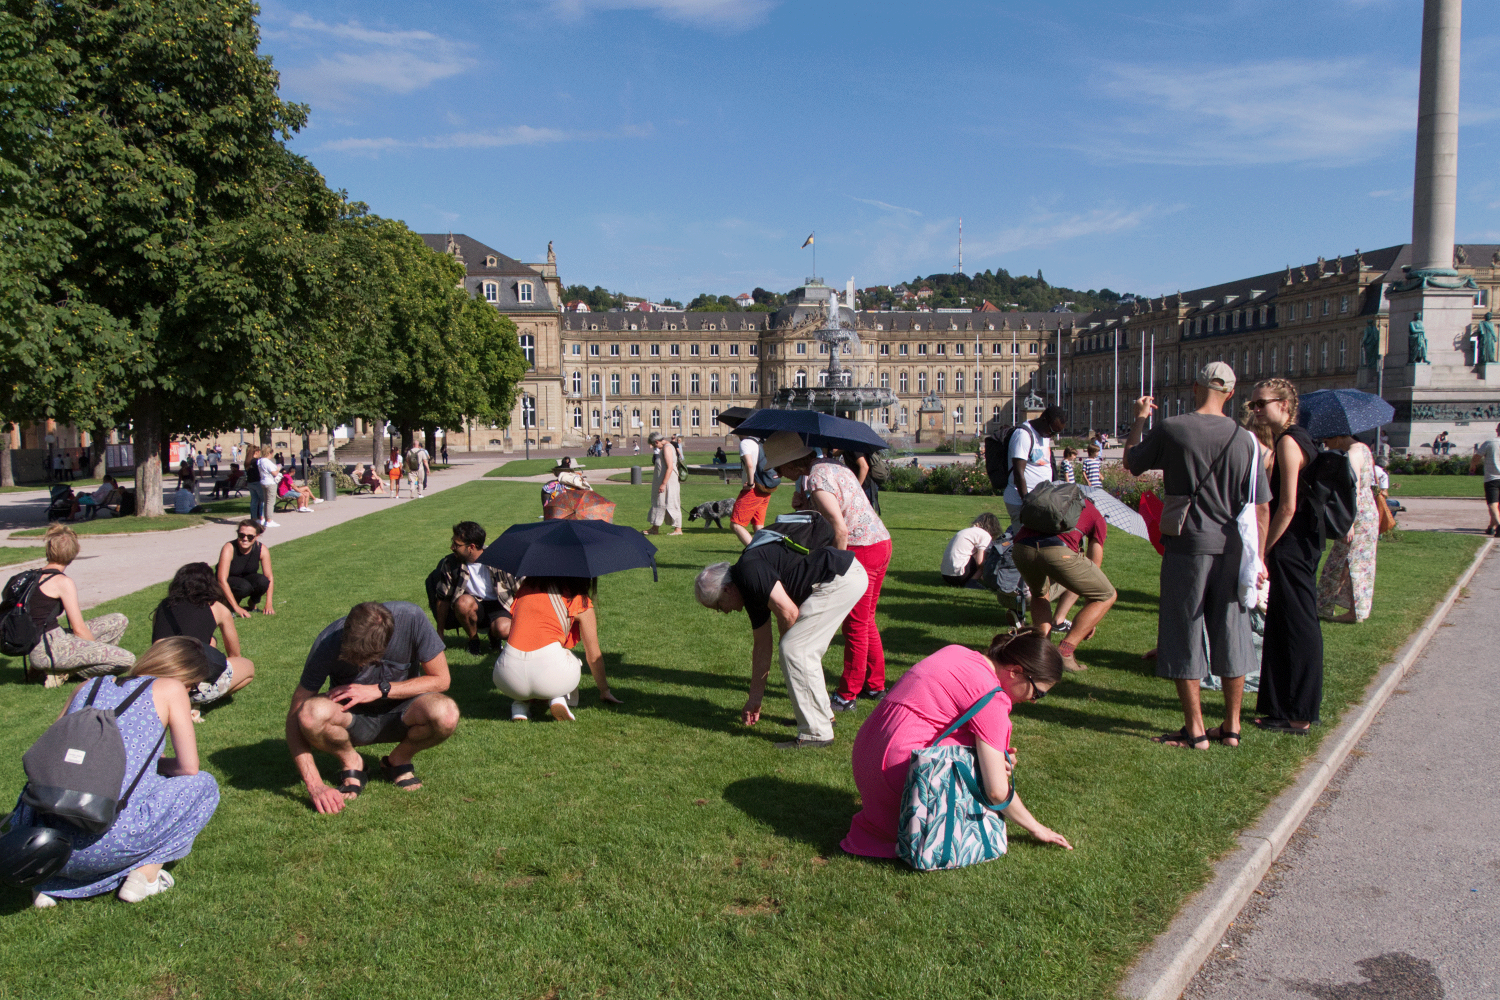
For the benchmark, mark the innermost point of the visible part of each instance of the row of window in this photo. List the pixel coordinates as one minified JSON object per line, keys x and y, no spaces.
{"x":616,"y":418}
{"x":492,"y":291}
{"x":1261,"y":361}
{"x":674,"y":380}
{"x":673,"y":350}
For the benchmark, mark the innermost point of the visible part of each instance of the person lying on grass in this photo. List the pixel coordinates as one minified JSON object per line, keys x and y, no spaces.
{"x":387,"y":670}
{"x":924,"y":702}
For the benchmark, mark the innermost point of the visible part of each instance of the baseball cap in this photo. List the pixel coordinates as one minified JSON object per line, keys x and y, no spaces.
{"x":1216,"y":375}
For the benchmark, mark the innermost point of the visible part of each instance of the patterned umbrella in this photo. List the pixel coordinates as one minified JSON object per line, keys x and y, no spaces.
{"x":1117,"y":514}
{"x":1336,"y":412}
{"x":579,"y":505}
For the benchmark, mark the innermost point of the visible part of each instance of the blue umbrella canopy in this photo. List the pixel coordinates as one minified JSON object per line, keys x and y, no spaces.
{"x":819,"y":430}
{"x":1335,"y":412}
{"x":569,"y":548}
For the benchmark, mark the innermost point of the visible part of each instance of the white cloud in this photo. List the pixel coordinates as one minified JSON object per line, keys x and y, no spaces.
{"x":1391,"y":193}
{"x":724,"y":15}
{"x":1323,"y":112}
{"x":885,"y":205}
{"x":352,"y":58}
{"x":518,"y":135}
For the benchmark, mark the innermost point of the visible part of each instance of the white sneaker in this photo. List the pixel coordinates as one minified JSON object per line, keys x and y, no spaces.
{"x":137,"y":888}
{"x":272,"y":524}
{"x":560,"y":711}
{"x":42,"y":901}
{"x":317,"y":499}
{"x":520,"y":712}
{"x":304,"y":510}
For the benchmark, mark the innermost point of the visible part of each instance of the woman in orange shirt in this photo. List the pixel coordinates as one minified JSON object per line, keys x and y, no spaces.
{"x":549,"y":616}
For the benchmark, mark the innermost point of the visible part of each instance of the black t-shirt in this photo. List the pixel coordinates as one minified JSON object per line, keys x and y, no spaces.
{"x":759,"y":569}
{"x":412,"y":644}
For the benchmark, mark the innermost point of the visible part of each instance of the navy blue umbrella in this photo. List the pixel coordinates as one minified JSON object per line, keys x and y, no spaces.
{"x":1335,"y":412}
{"x":819,"y":430}
{"x":569,"y":548}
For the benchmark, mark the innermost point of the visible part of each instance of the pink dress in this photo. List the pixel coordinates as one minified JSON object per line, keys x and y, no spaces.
{"x":923,"y":703}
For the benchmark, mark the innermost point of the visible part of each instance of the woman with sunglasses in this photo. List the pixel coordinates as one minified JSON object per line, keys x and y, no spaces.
{"x":924,"y":702}
{"x":1291,"y":664}
{"x":245,"y":570}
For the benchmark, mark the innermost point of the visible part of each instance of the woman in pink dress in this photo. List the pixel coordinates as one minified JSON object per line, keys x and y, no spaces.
{"x":924,"y":702}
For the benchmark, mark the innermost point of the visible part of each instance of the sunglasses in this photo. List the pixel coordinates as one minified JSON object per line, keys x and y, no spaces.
{"x":245,"y":538}
{"x":1261,"y":404}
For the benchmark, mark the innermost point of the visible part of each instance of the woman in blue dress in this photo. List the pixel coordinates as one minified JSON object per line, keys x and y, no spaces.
{"x":174,"y":800}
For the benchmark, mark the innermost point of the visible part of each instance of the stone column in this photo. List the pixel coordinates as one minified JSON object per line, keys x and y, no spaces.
{"x":1435,"y":192}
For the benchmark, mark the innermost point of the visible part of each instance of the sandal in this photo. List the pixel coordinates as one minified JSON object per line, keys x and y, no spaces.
{"x":400,"y":775}
{"x":1184,"y":741}
{"x":347,"y":776}
{"x":1224,"y":735}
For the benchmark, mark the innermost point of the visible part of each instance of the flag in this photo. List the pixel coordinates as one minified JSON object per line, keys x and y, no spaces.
{"x":809,"y":241}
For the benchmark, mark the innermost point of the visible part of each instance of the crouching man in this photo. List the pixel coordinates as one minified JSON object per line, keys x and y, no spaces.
{"x":386,"y":670}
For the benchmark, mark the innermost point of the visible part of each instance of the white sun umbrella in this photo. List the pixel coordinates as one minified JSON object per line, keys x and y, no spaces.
{"x":1117,"y":514}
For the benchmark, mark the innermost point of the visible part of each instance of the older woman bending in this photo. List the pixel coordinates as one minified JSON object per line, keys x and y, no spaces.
{"x":924,"y":702}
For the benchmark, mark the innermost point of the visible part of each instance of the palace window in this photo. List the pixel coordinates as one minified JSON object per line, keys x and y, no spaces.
{"x":922,"y":382}
{"x":695,"y":419}
{"x":677,"y":417}
{"x":713,"y":415}
{"x":614,"y":350}
{"x":635,"y":384}
{"x":734,"y":351}
{"x":713,"y":350}
{"x":1015,"y":382}
{"x":1273,"y":360}
{"x":942,"y":348}
{"x":801,"y":348}
{"x":635,"y":419}
{"x":578,"y":418}
{"x":921,"y":350}
{"x":490,"y":261}
{"x":755,"y":382}
{"x":902,"y":382}
{"x":958,"y":380}
{"x":885,"y":380}
{"x":593,"y":350}
{"x":1343,"y":351}
{"x":595,"y":418}
{"x":635,"y":350}
{"x":755,"y":350}
{"x":576,"y":350}
{"x":528,"y":348}
{"x":885,"y":350}
{"x":1325,"y":307}
{"x":491,"y":291}
{"x":942,"y":382}
{"x":523,"y":291}
{"x":676,"y":384}
{"x":577,"y":383}
{"x":903,"y":416}
{"x":693,"y":383}
{"x":734,"y":383}
{"x":1323,"y":355}
{"x":655,"y":418}
{"x":675,"y":350}
{"x":614,"y":418}
{"x":997,"y":381}
{"x":594,"y":384}
{"x":958,"y":415}
{"x":528,"y":411}
{"x":1306,"y":357}
{"x":1343,"y":303}
{"x":614,"y":385}
{"x":799,"y":381}
{"x":655,"y":350}
{"x":692,"y":350}
{"x":822,"y":348}
{"x":656,"y":383}
{"x":995,"y":413}
{"x":1308,"y":307}
{"x":713,"y":383}
{"x":958,"y":349}
{"x":1265,"y":315}
{"x":902,"y":350}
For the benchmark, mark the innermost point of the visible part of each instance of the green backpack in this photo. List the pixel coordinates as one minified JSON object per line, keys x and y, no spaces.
{"x":1052,"y":508}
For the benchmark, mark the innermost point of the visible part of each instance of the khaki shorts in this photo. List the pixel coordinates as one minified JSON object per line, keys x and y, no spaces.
{"x":1060,"y":565}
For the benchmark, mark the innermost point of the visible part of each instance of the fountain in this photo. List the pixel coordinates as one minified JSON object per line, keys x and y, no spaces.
{"x":837,"y":394}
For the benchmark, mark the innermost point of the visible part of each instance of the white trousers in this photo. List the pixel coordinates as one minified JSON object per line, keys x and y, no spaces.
{"x":803,"y":646}
{"x":549,"y":672}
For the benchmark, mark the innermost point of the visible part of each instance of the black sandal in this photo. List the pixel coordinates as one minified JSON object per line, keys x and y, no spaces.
{"x":394,"y":774}
{"x":345,"y":787}
{"x":1186,"y":742}
{"x":1225,"y":734}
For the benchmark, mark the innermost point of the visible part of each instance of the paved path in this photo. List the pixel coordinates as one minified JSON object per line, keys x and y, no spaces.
{"x":1391,"y":889}
{"x":110,"y":566}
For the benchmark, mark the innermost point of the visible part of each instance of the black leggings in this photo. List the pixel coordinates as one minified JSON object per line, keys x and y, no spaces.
{"x":253,"y":586}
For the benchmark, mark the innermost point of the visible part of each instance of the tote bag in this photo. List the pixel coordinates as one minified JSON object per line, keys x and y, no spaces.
{"x":946,"y":819}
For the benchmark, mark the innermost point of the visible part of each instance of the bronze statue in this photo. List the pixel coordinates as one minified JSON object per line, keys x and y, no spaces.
{"x":1484,"y":340}
{"x":1416,"y":342}
{"x":1371,"y":343}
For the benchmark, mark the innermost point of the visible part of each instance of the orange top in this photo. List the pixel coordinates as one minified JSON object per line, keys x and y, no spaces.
{"x":535,"y":619}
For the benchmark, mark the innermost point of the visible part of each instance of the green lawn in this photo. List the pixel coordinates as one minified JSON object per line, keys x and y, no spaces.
{"x":77,"y":484}
{"x":619,"y":460}
{"x":661,"y":848}
{"x":10,"y":555}
{"x":122,"y":525}
{"x":1437,"y":486}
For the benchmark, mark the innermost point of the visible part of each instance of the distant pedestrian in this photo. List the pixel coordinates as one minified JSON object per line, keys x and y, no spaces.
{"x":666,"y":491}
{"x":445,"y":452}
{"x":393,"y":472}
{"x":609,"y":446}
{"x":415,"y":466}
{"x":213,"y":460}
{"x":1093,"y":468}
{"x":1487,"y":457}
{"x":425,"y":457}
{"x":1070,"y":474}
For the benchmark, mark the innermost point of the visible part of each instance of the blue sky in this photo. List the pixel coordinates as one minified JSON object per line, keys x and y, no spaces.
{"x":669,"y":147}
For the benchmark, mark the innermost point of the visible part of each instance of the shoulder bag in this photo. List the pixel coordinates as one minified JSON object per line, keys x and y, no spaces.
{"x":946,"y":819}
{"x":1174,"y":512}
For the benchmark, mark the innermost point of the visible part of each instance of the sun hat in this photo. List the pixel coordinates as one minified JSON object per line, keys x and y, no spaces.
{"x":1216,"y":375}
{"x":783,"y":447}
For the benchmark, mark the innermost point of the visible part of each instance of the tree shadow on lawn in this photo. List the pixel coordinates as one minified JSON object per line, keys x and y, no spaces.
{"x":818,"y":815}
{"x":265,"y":767}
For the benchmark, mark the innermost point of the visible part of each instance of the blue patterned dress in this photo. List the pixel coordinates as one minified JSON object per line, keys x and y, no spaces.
{"x":157,"y":825}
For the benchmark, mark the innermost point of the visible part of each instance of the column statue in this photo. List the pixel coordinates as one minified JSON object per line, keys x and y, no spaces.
{"x":1371,"y":344}
{"x":1416,"y":341}
{"x":1484,"y":340}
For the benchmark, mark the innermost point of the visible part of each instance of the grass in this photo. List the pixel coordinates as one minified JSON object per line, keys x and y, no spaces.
{"x":538,"y":466}
{"x":77,"y":484}
{"x":1437,"y":486}
{"x":10,"y":555}
{"x":123,"y":525}
{"x":661,"y":848}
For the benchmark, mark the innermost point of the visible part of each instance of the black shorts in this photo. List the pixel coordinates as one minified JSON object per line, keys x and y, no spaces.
{"x":380,"y":727}
{"x":489,"y":611}
{"x":1492,"y":491}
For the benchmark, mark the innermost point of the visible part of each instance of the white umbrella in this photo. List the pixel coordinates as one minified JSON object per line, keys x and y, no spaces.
{"x":1117,"y":514}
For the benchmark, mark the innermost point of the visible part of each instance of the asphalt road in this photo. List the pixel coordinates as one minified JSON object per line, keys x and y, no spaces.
{"x":1391,"y":889}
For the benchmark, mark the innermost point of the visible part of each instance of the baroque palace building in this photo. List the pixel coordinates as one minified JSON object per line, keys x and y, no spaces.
{"x":621,"y":375}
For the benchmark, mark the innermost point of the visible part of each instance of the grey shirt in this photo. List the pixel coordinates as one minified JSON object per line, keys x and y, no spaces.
{"x":1185,"y":448}
{"x":1490,"y":452}
{"x":412,"y":644}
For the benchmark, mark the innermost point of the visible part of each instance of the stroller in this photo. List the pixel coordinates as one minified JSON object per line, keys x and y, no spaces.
{"x":60,"y":507}
{"x":1000,"y":576}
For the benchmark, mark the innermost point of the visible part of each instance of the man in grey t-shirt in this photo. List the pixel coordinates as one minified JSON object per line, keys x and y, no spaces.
{"x":1488,"y":456}
{"x":1209,"y":464}
{"x":386,"y":669}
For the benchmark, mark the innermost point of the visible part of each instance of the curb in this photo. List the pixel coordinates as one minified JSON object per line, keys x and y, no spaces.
{"x":1165,"y":969}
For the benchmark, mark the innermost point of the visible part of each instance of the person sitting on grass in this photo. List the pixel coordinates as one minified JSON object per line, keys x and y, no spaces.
{"x":551,"y":615}
{"x":387,"y":672}
{"x":173,"y":801}
{"x":1047,"y":559}
{"x":369,"y":478}
{"x":924,"y":702}
{"x":245,"y":570}
{"x":86,"y":648}
{"x":194,"y":606}
{"x":964,"y":557}
{"x":470,"y":595}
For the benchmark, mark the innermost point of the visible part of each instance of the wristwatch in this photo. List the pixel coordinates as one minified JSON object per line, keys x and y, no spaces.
{"x":385,"y":689}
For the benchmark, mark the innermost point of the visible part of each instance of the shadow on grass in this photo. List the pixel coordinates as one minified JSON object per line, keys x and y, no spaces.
{"x":260,"y":767}
{"x":818,"y":815}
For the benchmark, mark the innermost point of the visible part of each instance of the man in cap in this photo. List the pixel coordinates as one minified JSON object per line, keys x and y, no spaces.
{"x":1209,"y":466}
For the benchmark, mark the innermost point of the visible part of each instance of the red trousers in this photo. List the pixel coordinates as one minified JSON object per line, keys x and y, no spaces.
{"x":864,"y":653}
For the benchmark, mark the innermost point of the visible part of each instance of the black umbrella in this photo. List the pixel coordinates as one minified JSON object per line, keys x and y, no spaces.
{"x":819,"y":430}
{"x":569,"y":548}
{"x":735,"y":415}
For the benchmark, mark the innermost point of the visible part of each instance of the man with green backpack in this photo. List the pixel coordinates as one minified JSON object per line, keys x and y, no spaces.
{"x":1057,"y":523}
{"x":415,"y":466}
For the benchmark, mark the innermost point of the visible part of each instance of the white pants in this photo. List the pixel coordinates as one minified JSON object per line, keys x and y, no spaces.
{"x":549,"y":672}
{"x":803,"y":646}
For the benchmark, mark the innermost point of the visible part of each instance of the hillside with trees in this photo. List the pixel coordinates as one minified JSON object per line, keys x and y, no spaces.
{"x":1000,"y":288}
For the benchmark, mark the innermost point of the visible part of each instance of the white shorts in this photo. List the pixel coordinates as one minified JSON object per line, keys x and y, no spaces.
{"x":549,"y":672}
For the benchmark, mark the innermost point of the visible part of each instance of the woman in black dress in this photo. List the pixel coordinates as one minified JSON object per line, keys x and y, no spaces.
{"x":194,"y":607}
{"x":1291,"y":666}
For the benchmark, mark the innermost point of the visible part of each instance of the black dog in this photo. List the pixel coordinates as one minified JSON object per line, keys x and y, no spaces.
{"x":712,"y":511}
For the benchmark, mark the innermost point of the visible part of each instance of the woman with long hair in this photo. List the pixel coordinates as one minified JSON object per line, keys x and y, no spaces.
{"x":194,"y":606}
{"x":86,"y":647}
{"x":926,"y":700}
{"x":245,"y":570}
{"x":173,"y":801}
{"x":393,"y":469}
{"x":1348,"y":579}
{"x":1291,"y":665}
{"x":549,"y":616}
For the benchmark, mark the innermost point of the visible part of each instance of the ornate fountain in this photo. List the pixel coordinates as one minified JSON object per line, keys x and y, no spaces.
{"x":837,"y":393}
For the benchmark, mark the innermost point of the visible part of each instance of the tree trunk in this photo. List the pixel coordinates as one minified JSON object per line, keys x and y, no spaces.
{"x":377,"y":433}
{"x":332,"y":449}
{"x":147,"y":434}
{"x":431,"y":442}
{"x":98,"y":442}
{"x":7,"y":474}
{"x":265,"y":438}
{"x":406,"y":438}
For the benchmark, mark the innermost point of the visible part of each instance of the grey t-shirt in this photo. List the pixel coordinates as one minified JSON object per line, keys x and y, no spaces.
{"x":412,"y":644}
{"x":1490,"y":451}
{"x":1184,"y":449}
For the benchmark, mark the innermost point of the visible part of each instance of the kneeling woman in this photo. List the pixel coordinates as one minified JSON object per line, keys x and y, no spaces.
{"x":174,"y":800}
{"x":923,"y":703}
{"x":194,"y":606}
{"x":549,"y":614}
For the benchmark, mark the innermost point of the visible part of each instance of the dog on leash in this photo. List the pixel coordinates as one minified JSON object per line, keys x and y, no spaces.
{"x":713,"y":511}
